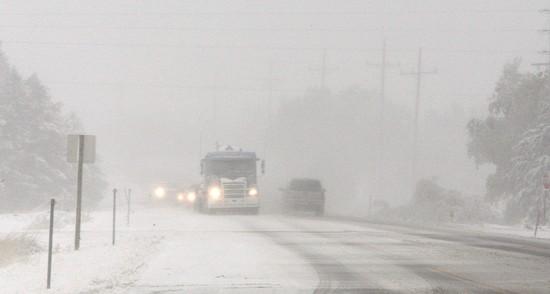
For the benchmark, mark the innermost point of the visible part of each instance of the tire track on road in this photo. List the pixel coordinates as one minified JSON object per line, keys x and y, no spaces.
{"x":439,"y":279}
{"x":538,"y":248}
{"x":334,"y":276}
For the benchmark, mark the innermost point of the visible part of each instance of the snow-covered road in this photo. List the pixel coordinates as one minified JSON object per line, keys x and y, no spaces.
{"x":172,"y":250}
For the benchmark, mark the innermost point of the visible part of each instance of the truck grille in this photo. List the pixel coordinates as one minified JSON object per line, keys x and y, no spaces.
{"x":234,"y":189}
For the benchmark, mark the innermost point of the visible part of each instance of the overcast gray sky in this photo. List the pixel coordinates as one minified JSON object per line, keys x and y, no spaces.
{"x":143,"y":75}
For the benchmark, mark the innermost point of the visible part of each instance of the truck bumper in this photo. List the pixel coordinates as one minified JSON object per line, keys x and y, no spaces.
{"x":246,"y":202}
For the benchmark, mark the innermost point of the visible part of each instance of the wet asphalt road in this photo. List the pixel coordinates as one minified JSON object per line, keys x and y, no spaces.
{"x":361,"y":257}
{"x":334,"y":255}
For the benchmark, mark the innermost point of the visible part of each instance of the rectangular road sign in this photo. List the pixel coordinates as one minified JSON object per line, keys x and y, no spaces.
{"x":89,"y":148}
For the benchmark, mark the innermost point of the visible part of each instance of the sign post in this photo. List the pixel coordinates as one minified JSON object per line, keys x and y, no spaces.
{"x":80,"y":149}
{"x":79,"y":191}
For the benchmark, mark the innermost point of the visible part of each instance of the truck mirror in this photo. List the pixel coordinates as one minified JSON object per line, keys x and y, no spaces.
{"x":263,"y":167}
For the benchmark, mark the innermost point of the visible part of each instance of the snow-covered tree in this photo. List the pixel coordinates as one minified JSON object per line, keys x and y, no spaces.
{"x":515,"y":137}
{"x":33,"y":132}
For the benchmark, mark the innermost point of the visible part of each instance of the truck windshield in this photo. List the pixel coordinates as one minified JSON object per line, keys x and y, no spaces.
{"x":231,"y":168}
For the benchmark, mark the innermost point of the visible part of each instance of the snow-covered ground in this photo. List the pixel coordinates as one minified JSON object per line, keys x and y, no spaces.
{"x":173,"y":250}
{"x":162,"y":249}
{"x":518,"y":231}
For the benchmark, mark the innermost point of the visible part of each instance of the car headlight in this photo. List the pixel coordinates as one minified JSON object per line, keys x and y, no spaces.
{"x":160,"y":192}
{"x":191,"y":196}
{"x":215,"y":193}
{"x":181,"y":197}
{"x":252,"y":191}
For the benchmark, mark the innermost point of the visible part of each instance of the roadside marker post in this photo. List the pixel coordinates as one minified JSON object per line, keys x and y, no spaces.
{"x":129,"y":199}
{"x":50,"y":245}
{"x":546,"y":184}
{"x":114,"y":214}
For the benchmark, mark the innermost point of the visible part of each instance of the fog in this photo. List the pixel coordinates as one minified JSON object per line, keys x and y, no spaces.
{"x":160,"y":82}
{"x":239,"y":146}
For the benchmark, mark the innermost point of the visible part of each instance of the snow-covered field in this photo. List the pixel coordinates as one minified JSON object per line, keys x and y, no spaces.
{"x":162,"y":249}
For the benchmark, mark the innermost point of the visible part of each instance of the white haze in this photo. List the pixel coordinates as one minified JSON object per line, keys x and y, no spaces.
{"x":144,"y":76}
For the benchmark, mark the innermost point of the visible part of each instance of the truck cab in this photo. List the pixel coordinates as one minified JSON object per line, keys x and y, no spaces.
{"x":229,"y":181}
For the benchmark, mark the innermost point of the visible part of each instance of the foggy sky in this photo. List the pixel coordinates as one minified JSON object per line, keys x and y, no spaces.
{"x":144,"y":76}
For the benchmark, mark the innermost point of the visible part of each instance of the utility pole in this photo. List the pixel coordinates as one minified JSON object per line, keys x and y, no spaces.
{"x":419,"y":73}
{"x":270,"y":83}
{"x":264,"y":105}
{"x":381,"y":117}
{"x":202,"y":125}
{"x":215,"y":115}
{"x":324,"y":70}
{"x":269,"y":94}
{"x":546,"y":52}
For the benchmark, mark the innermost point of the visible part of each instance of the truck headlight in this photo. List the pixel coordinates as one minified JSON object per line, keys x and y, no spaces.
{"x":160,"y":192}
{"x":252,"y":191}
{"x":214,"y":193}
{"x":191,"y":196}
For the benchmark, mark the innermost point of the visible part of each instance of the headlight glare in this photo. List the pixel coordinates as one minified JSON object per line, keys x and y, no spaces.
{"x":253,"y":191}
{"x":180,"y":197}
{"x":160,"y":192}
{"x":191,"y":196}
{"x":215,"y":193}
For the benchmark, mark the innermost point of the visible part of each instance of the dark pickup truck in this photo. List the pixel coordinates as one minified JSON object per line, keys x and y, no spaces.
{"x":304,"y":195}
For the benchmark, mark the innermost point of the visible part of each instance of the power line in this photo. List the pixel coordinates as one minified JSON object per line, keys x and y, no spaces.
{"x":289,"y":48}
{"x":263,"y":13}
{"x":268,"y":29}
{"x":171,"y":86}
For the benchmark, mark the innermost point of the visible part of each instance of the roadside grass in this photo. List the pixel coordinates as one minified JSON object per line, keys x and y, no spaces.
{"x":15,"y":247}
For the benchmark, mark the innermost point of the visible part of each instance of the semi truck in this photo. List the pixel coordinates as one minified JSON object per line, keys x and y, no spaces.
{"x":229,"y":181}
